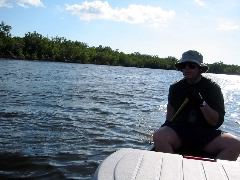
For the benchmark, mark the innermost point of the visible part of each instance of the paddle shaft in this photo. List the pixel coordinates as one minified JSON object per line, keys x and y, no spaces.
{"x":180,"y":109}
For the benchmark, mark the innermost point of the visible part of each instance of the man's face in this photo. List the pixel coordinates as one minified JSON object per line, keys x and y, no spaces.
{"x":191,"y":71}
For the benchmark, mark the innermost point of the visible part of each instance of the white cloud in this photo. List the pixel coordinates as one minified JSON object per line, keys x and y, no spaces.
{"x":227,"y":25}
{"x":133,"y":14}
{"x":4,"y":3}
{"x":27,"y":3}
{"x":200,"y":2}
{"x":22,"y":3}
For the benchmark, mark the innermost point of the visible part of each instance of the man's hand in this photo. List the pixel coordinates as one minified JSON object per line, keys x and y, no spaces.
{"x":195,"y":98}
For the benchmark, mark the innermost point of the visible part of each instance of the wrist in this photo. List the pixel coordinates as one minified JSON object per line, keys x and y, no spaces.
{"x":203,"y":104}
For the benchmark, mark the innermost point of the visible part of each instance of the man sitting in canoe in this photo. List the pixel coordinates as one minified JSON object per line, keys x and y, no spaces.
{"x":195,"y":111}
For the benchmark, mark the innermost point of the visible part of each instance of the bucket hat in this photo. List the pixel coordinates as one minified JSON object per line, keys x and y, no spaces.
{"x":194,"y":57}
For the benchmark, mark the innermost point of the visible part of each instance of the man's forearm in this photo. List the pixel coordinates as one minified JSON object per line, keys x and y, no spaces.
{"x":210,"y":114}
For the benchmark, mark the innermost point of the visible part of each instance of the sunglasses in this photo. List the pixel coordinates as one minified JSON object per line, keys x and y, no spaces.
{"x":189,"y":65}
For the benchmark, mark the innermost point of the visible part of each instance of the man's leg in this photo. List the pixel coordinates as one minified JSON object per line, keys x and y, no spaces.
{"x":166,"y":140}
{"x":226,"y":146}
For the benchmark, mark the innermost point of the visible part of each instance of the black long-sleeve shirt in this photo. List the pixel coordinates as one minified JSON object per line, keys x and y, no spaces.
{"x":212,"y":95}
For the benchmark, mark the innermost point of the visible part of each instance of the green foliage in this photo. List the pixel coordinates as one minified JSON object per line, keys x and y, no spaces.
{"x":34,"y":46}
{"x":220,"y":68}
{"x":5,"y":39}
{"x":5,"y":30}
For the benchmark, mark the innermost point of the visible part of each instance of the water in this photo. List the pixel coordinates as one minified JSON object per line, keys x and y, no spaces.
{"x":60,"y":120}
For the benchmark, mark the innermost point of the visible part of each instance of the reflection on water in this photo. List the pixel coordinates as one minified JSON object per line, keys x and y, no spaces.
{"x":59,"y":120}
{"x":231,"y":92}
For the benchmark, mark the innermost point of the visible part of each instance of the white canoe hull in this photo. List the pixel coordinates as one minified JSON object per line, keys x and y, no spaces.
{"x":135,"y":164}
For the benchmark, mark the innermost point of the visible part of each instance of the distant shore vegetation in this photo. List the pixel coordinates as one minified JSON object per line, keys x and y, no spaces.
{"x":34,"y":46}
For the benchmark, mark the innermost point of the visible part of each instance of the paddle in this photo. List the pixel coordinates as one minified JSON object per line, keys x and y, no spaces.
{"x":180,"y":109}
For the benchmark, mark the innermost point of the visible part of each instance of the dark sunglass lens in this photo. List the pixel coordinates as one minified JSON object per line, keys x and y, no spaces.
{"x":183,"y":66}
{"x":192,"y":66}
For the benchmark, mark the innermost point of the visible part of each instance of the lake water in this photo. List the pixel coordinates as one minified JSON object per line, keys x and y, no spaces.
{"x":60,"y":120}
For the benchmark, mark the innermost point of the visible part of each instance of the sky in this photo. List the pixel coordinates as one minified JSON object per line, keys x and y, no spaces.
{"x":155,"y":27}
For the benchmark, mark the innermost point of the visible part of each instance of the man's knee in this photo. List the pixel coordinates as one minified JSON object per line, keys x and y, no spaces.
{"x":160,"y":135}
{"x":166,"y":135}
{"x":230,"y":147}
{"x":234,"y":144}
{"x":231,"y":142}
{"x":224,"y":142}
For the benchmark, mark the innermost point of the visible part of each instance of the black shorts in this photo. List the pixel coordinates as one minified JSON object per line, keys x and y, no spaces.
{"x":194,"y":138}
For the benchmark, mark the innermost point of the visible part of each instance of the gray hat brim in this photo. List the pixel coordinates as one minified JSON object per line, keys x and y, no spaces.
{"x":203,"y":67}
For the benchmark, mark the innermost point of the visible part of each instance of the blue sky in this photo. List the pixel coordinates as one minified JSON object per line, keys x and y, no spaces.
{"x":155,"y":27}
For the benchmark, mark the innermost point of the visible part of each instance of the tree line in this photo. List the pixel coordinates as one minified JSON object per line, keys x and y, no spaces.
{"x":34,"y":46}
